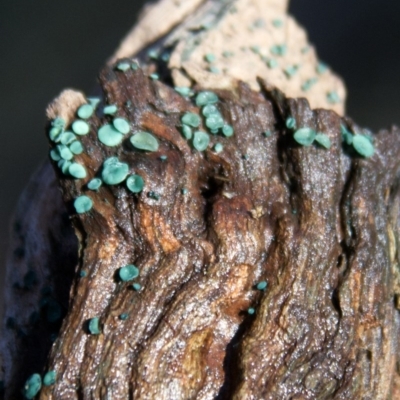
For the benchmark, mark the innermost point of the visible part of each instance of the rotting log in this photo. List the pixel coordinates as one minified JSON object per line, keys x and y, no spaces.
{"x":320,"y":226}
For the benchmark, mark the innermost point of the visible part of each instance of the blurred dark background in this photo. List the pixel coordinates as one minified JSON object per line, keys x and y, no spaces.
{"x":46,"y":46}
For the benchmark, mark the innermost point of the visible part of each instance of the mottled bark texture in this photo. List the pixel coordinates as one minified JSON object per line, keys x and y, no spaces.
{"x":320,"y":226}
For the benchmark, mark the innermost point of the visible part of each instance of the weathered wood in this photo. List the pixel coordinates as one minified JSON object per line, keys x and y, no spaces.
{"x":320,"y":226}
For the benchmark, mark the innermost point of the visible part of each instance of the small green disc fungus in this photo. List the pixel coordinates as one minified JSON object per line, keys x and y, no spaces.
{"x":123,"y":66}
{"x":210,"y":57}
{"x":251,"y":311}
{"x":291,"y":123}
{"x":206,"y":97}
{"x":121,"y":125}
{"x":83,"y":274}
{"x":144,"y":141}
{"x":136,"y":286}
{"x":80,"y":127}
{"x":200,"y":140}
{"x":83,"y":204}
{"x":123,"y":316}
{"x":114,"y":171}
{"x":94,"y":101}
{"x":32,"y":386}
{"x":94,"y":326}
{"x":262,"y":285}
{"x":272,"y":63}
{"x":291,"y":70}
{"x":277,"y":23}
{"x":191,"y":119}
{"x":279,"y":50}
{"x":54,"y":155}
{"x":76,"y":147}
{"x":347,"y":136}
{"x":54,"y":134}
{"x":49,"y":378}
{"x":128,"y":273}
{"x":67,"y":138}
{"x":333,"y":97}
{"x":214,"y":121}
{"x":183,"y":91}
{"x":308,"y":84}
{"x":95,"y":184}
{"x":323,"y":140}
{"x":305,"y":136}
{"x":321,"y":68}
{"x":227,"y":130}
{"x":65,"y":152}
{"x":77,"y":170}
{"x":267,"y":133}
{"x":363,"y":146}
{"x":135,"y":183}
{"x":64,"y":166}
{"x":85,"y":111}
{"x":110,"y":136}
{"x":154,"y":77}
{"x":58,"y":122}
{"x":209,"y":109}
{"x":218,"y":147}
{"x":110,"y":109}
{"x":187,"y":132}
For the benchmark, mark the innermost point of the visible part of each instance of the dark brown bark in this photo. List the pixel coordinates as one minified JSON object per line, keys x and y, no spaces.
{"x":321,"y":226}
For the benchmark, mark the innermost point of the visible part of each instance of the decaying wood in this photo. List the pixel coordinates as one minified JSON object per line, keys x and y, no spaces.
{"x":320,"y":226}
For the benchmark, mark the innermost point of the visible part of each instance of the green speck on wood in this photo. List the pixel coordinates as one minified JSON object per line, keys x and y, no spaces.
{"x":305,"y":136}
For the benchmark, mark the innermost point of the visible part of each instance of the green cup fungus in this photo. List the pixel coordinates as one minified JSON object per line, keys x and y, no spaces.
{"x":218,"y":147}
{"x":205,"y":98}
{"x":209,"y":109}
{"x":49,"y":378}
{"x":278,"y":50}
{"x":191,"y":119}
{"x":136,"y":286}
{"x":110,"y":136}
{"x":291,"y":123}
{"x":94,"y":101}
{"x":80,"y":127}
{"x":200,"y":140}
{"x":114,"y":171}
{"x":54,"y":134}
{"x":144,"y":141}
{"x":123,"y":66}
{"x":64,"y":152}
{"x":214,"y":121}
{"x":64,"y":166}
{"x":323,"y":140}
{"x":123,"y":316}
{"x":262,"y":285}
{"x":128,"y":273}
{"x":54,"y":155}
{"x":85,"y":111}
{"x":135,"y":183}
{"x":32,"y":386}
{"x":227,"y":130}
{"x":67,"y":137}
{"x":154,"y":77}
{"x":121,"y":125}
{"x":184,"y":91}
{"x":305,"y":136}
{"x":77,"y":170}
{"x":363,"y":146}
{"x":95,"y":184}
{"x":251,"y":311}
{"x":110,"y":109}
{"x":76,"y":147}
{"x":83,"y":204}
{"x":187,"y":132}
{"x":58,"y":123}
{"x":347,"y":136}
{"x":94,"y":326}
